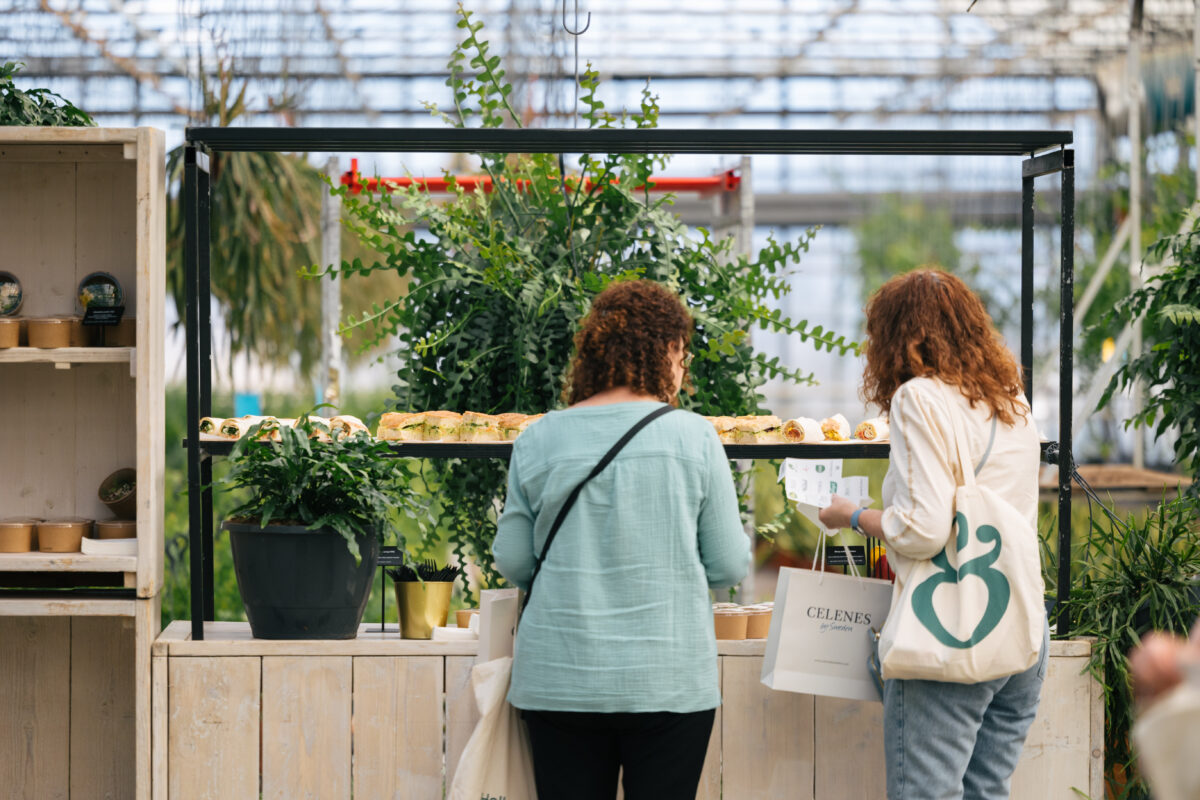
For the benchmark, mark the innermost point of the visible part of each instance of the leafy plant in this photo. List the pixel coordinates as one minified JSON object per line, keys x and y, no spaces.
{"x":1133,"y":576}
{"x":1170,"y":366}
{"x":35,"y":106}
{"x":349,"y":484}
{"x":502,"y":277}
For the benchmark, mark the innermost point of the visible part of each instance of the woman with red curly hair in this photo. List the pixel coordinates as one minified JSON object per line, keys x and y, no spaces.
{"x":615,"y":662}
{"x":935,"y":363}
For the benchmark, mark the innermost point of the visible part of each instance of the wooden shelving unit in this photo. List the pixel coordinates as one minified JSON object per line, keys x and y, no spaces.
{"x":75,"y":666}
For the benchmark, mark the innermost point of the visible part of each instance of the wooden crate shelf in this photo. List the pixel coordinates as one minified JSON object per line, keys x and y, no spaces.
{"x":75,"y":666}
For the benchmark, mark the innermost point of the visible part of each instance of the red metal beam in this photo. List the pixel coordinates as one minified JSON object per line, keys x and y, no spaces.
{"x":727,"y":181}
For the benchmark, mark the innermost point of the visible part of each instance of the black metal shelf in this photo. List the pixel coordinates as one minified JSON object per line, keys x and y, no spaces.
{"x":1043,"y":153}
{"x":734,"y":451}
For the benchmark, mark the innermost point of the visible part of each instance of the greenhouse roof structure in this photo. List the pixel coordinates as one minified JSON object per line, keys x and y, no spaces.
{"x":809,"y":63}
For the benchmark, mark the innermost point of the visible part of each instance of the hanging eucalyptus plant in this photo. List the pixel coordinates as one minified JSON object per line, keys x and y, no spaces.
{"x":499,"y":279}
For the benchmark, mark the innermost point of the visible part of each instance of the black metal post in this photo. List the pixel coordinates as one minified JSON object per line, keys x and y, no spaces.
{"x":204,"y":318}
{"x":1066,"y":333}
{"x":1027,"y":285}
{"x":193,"y":165}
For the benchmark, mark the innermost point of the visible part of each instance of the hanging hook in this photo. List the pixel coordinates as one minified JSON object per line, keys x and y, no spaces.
{"x":564,"y":20}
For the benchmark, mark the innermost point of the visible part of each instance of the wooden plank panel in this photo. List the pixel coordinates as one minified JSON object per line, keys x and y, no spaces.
{"x":61,"y":153}
{"x":33,"y":484}
{"x":461,"y":712}
{"x":1096,"y":754}
{"x":65,"y":562}
{"x":105,"y":432}
{"x":1057,"y":754}
{"x":66,"y":355}
{"x":766,"y":736}
{"x":147,"y":622}
{"x":106,"y":223}
{"x":151,"y":225}
{"x":848,"y":743}
{"x":103,"y":759}
{"x":234,"y":639}
{"x":397,"y":723}
{"x":212,"y":728}
{"x":306,"y":727}
{"x":158,"y":725}
{"x":56,"y":607}
{"x":34,"y":704}
{"x":710,"y":778}
{"x":67,"y":136}
{"x":38,"y":234}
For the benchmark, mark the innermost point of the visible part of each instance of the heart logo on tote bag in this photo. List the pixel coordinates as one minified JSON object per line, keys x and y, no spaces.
{"x":998,"y":590}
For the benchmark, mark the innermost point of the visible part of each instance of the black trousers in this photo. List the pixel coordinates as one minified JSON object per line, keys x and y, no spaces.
{"x":577,"y":756}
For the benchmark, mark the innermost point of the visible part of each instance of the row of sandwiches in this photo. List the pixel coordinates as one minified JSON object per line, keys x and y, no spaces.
{"x":471,"y":426}
{"x":769,"y":429}
{"x":449,"y":426}
{"x":237,"y":427}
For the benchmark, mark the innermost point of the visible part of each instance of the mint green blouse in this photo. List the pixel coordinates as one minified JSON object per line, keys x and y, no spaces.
{"x":621,"y":618}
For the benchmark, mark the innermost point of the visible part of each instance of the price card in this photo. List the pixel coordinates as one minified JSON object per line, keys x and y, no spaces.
{"x":811,"y":485}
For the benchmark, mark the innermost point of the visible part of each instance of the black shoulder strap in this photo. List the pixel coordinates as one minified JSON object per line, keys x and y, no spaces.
{"x":571,"y":498}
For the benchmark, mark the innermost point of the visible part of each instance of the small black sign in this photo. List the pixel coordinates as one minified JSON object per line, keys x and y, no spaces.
{"x":835,"y":555}
{"x":106,"y":315}
{"x":391,"y":557}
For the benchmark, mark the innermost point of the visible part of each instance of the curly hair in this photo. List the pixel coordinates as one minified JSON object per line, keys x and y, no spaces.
{"x":928,"y":324}
{"x":625,"y":341}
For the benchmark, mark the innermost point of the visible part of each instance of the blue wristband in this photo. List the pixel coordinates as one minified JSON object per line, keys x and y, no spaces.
{"x":854,"y":520}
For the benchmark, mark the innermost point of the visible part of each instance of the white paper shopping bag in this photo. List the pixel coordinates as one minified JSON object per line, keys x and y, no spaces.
{"x":820,"y":637}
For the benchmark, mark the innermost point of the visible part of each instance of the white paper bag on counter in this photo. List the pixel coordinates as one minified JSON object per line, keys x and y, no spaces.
{"x":820,"y":638}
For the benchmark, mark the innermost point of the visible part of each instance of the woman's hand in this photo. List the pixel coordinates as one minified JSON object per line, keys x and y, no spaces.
{"x":837,"y":514}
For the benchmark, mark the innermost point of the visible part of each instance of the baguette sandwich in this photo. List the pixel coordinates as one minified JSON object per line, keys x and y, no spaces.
{"x":724,"y":428}
{"x":401,"y":426}
{"x":752,"y":429}
{"x":478,"y":427}
{"x":442,"y":426}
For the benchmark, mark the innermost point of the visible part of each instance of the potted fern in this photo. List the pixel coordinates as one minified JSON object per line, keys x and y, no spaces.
{"x":306,"y":538}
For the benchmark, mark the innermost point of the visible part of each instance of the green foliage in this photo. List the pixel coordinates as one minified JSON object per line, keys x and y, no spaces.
{"x":1133,"y":577}
{"x":265,"y":221}
{"x":1169,"y":367}
{"x":349,"y":484}
{"x":499,"y":283}
{"x":35,"y":106}
{"x":1100,"y":213}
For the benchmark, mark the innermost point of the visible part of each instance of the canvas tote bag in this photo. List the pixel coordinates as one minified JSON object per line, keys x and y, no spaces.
{"x":496,"y":763}
{"x":975,"y":611}
{"x":819,"y":642}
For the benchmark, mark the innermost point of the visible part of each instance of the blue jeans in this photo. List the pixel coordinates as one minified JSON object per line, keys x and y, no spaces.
{"x":944,"y":741}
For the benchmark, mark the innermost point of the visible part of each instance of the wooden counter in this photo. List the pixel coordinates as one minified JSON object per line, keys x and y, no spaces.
{"x":389,"y":717}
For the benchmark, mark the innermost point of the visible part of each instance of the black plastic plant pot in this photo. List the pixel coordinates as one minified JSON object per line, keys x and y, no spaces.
{"x":301,"y":584}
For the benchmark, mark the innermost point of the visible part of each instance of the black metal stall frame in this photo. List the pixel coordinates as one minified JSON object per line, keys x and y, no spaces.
{"x":1042,"y":153}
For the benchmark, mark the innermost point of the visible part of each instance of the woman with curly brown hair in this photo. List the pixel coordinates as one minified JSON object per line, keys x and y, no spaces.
{"x":935,"y":365}
{"x":615,"y":662}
